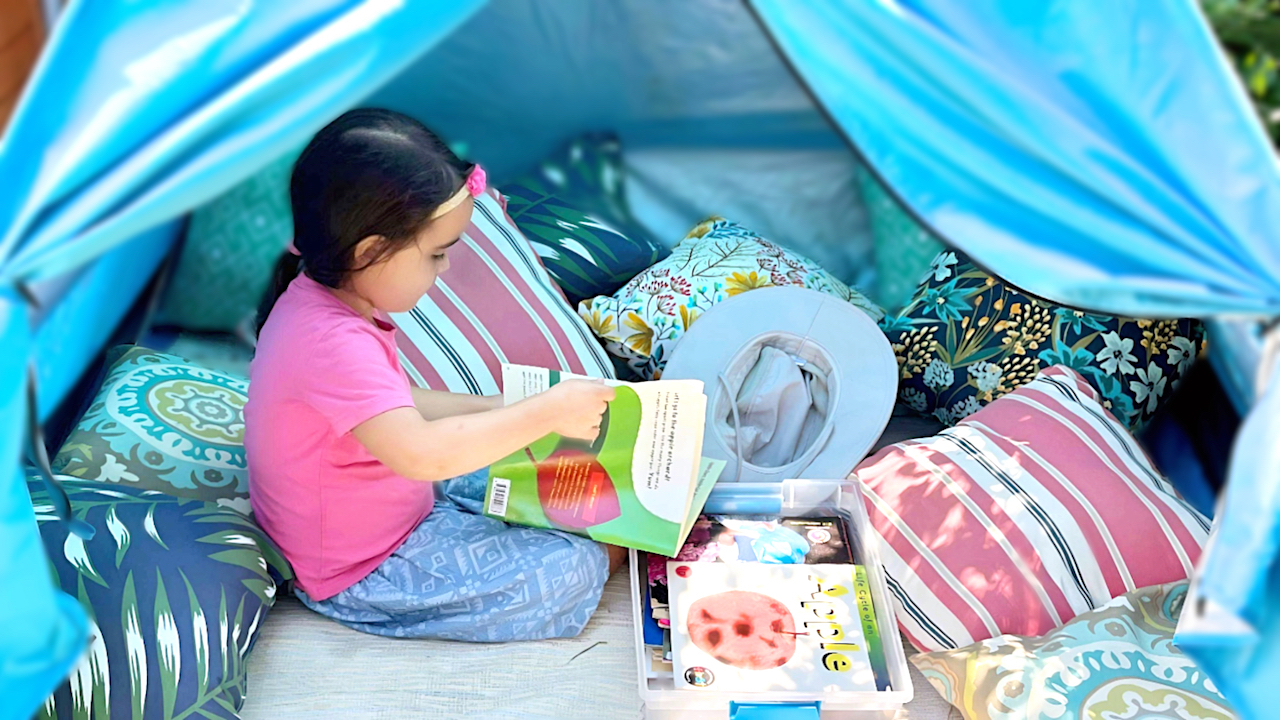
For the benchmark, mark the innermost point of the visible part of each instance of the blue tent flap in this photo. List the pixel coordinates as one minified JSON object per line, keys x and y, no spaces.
{"x":1099,"y":153}
{"x":1102,"y":154}
{"x":134,"y":115}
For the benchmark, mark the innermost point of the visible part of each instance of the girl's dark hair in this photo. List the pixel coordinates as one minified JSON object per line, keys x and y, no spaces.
{"x":369,"y":172}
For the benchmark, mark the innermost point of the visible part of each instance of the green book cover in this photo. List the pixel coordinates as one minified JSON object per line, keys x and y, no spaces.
{"x":870,"y":628}
{"x":640,"y":484}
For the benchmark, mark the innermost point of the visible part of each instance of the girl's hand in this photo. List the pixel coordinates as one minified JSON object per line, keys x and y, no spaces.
{"x":577,"y":407}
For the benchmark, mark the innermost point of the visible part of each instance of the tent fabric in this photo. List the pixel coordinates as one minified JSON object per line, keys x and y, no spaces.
{"x":172,"y":103}
{"x":711,"y":119}
{"x":1101,"y":154}
{"x":1095,"y":152}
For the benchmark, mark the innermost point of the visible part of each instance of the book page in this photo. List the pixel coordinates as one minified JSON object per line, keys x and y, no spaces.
{"x":668,"y":451}
{"x":667,"y":457}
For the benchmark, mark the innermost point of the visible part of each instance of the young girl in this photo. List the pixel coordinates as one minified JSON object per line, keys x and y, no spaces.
{"x":346,"y":457}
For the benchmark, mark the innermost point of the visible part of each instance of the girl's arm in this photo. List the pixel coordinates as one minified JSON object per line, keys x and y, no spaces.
{"x":437,"y":405}
{"x":421,"y":449}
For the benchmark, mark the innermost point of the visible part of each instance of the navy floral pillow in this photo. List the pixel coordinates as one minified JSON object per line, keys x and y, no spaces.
{"x":967,"y":338}
{"x":176,"y":590}
{"x":574,"y":212}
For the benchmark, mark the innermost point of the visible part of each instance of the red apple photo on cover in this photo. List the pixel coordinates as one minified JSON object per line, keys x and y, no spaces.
{"x":744,"y":629}
{"x":574,"y":489}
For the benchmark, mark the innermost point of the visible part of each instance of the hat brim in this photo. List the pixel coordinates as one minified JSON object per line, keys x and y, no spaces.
{"x":864,"y":364}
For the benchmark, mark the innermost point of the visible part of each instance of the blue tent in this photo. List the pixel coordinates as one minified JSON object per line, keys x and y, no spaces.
{"x":1106,"y":140}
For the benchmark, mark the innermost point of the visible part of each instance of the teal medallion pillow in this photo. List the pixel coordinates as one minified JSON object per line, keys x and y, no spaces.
{"x":176,"y":591}
{"x":574,"y":212}
{"x":231,"y":248}
{"x":903,"y":248}
{"x":161,"y":423}
{"x":1116,"y":661}
{"x":967,"y":338}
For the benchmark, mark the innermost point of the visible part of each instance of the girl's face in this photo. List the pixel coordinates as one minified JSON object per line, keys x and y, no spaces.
{"x":397,"y":282}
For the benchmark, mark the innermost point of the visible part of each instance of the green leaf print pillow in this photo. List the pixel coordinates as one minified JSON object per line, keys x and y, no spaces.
{"x":162,"y":423}
{"x":574,"y":212}
{"x":967,"y":338}
{"x":176,"y":591}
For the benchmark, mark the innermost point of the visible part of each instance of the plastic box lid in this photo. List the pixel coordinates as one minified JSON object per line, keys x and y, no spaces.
{"x":791,"y":498}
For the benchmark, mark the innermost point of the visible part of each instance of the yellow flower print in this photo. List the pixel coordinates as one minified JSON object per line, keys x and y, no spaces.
{"x":600,"y":323}
{"x":915,"y":350}
{"x":1028,"y":326}
{"x":739,"y":283}
{"x":701,"y":229}
{"x":642,"y":339}
{"x":1016,"y":371}
{"x":687,"y":316}
{"x":1156,"y":336}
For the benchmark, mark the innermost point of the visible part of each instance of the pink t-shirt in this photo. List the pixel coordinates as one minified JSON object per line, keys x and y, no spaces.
{"x":320,"y":370}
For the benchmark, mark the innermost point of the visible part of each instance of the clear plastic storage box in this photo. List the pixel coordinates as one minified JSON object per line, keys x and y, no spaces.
{"x":792,"y":498}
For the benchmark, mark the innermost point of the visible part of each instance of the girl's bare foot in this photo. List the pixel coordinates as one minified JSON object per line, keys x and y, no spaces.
{"x":617,"y":557}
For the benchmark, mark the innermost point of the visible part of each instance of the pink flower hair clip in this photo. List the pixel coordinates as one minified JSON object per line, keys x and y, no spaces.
{"x":474,"y":187}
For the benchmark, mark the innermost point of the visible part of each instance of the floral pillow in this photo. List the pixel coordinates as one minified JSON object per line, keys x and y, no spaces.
{"x":642,"y":322}
{"x":161,"y":423}
{"x":1117,"y":661}
{"x":176,"y":591}
{"x":574,"y":212}
{"x":967,"y":338}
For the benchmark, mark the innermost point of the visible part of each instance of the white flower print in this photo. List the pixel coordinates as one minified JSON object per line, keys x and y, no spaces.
{"x":914,"y":399}
{"x":941,"y":266}
{"x":938,"y":374}
{"x":1149,"y":386}
{"x":965,"y":408}
{"x":1117,"y":354}
{"x":986,"y":375}
{"x":115,"y":471}
{"x":1181,"y":353}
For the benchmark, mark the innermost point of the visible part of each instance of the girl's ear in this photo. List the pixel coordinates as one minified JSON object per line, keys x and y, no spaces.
{"x":367,"y":250}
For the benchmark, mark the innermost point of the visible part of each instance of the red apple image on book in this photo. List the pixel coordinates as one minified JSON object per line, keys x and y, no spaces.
{"x":574,"y":489}
{"x":744,"y":629}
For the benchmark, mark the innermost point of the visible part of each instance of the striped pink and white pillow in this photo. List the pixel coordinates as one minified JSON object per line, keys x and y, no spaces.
{"x":495,"y":304}
{"x":1032,"y":510}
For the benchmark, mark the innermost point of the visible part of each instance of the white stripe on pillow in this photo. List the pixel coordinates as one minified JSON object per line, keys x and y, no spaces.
{"x":993,"y":532}
{"x":1034,"y":509}
{"x":495,"y":304}
{"x":1087,"y":568}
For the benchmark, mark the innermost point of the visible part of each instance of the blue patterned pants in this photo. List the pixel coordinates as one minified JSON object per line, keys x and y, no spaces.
{"x":463,"y":576}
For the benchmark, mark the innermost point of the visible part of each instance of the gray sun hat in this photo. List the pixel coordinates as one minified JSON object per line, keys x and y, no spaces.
{"x":799,"y":384}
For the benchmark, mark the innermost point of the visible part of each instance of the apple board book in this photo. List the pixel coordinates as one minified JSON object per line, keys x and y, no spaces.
{"x":755,"y":627}
{"x":731,"y":538}
{"x":640,"y":484}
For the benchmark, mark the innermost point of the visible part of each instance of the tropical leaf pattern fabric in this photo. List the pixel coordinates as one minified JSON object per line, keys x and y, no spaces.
{"x":903,"y":248}
{"x":176,"y":591}
{"x":967,"y":338}
{"x":162,"y":423}
{"x":574,"y":212}
{"x":718,"y":259}
{"x":231,"y":247}
{"x":1118,"y":661}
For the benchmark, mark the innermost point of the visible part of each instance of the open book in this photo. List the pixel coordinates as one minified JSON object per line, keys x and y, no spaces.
{"x":641,"y":484}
